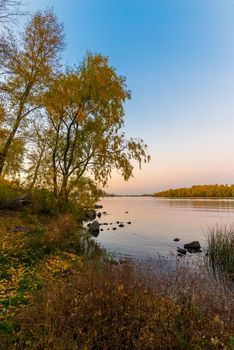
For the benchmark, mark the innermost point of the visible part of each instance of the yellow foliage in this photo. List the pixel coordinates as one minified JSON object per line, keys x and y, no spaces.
{"x":8,"y":287}
{"x":58,"y":264}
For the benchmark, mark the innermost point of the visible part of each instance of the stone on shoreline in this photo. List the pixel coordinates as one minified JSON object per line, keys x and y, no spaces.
{"x":98,"y":206}
{"x":94,"y":227}
{"x":192,"y":246}
{"x":181,"y":251}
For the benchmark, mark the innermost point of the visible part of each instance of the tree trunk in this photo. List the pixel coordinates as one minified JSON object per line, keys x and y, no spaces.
{"x":63,"y":194}
{"x":37,"y":169}
{"x":55,"y":185}
{"x":20,"y":116}
{"x":4,"y":153}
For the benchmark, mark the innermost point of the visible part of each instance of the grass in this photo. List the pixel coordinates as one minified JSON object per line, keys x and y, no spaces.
{"x":24,"y":255}
{"x":220,"y":254}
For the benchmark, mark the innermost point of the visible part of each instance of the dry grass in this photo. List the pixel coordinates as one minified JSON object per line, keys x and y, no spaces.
{"x":128,"y":307}
{"x":59,"y":230}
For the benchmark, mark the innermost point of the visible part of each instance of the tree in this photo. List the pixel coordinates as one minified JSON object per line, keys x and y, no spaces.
{"x":13,"y":163}
{"x":85,"y":110}
{"x":36,"y":154}
{"x":26,"y":70}
{"x":10,"y":9}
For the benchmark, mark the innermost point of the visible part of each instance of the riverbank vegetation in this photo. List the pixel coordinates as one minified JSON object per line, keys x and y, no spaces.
{"x":217,"y":191}
{"x":220,"y":254}
{"x":59,"y":291}
{"x":61,"y":134}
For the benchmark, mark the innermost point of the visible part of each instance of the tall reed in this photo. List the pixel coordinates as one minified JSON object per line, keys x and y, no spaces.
{"x":220,"y":254}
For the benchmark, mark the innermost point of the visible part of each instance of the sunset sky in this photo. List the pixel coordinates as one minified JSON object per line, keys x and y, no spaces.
{"x":178,"y":58}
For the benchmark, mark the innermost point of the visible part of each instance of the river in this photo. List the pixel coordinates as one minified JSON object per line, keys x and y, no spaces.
{"x":156,"y":222}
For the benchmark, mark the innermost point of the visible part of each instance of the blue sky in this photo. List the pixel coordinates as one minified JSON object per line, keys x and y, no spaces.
{"x":178,"y":58}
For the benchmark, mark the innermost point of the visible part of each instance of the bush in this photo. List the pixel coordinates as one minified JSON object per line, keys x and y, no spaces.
{"x":45,"y":239}
{"x":9,"y":195}
{"x":127,"y":307}
{"x":59,"y":230}
{"x":43,"y":202}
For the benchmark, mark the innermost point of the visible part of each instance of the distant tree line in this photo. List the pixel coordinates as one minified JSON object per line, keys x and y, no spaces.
{"x":199,"y":191}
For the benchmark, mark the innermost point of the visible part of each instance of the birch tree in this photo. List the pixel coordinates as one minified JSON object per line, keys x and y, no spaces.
{"x":85,"y":110}
{"x":26,"y":69}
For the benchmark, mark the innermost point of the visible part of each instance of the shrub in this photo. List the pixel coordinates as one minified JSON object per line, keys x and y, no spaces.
{"x":43,"y":239}
{"x":43,"y":202}
{"x":9,"y":195}
{"x":122,"y":307}
{"x":46,"y":238}
{"x":59,"y":230}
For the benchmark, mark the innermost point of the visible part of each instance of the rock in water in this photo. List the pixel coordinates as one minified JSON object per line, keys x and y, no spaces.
{"x":94,"y":227}
{"x":193,"y":246}
{"x":98,"y":206}
{"x":176,"y":240}
{"x":181,"y":251}
{"x":99,"y":214}
{"x":121,"y":225}
{"x":194,"y":250}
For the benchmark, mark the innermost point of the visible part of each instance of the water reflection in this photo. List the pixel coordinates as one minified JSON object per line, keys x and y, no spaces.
{"x":201,"y":204}
{"x":156,"y":222}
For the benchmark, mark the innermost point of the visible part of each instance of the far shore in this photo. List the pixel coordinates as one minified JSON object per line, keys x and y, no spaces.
{"x":161,"y":197}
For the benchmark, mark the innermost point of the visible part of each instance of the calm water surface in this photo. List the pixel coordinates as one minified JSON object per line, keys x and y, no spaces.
{"x":155,"y":222}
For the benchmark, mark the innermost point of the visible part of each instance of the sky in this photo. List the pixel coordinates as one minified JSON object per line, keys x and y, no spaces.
{"x":178,"y":59}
